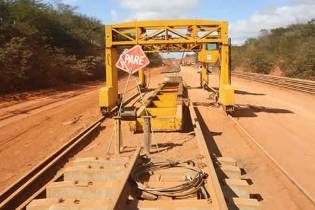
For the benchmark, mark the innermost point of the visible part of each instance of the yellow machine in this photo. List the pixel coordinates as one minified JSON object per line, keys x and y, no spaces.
{"x":165,"y":107}
{"x":169,"y":36}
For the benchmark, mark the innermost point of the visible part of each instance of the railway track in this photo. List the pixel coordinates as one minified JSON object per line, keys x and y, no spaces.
{"x":306,"y":86}
{"x":101,"y":182}
{"x":274,"y":161}
{"x":32,"y":184}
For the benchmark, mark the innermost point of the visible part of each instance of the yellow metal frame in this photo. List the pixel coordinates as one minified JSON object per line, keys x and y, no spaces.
{"x":166,"y":36}
{"x":165,"y":106}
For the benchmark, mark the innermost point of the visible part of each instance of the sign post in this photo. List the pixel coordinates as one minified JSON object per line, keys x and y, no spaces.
{"x":131,"y":61}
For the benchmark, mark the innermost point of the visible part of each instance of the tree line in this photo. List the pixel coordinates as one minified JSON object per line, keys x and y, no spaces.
{"x":290,"y":49}
{"x":44,"y":45}
{"x":47,"y":45}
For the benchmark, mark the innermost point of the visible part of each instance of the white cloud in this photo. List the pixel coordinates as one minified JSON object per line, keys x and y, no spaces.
{"x":158,"y":9}
{"x":113,"y":14}
{"x":296,"y":12}
{"x":70,"y":2}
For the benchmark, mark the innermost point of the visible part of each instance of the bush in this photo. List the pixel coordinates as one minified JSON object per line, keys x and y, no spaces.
{"x":292,"y":49}
{"x":15,"y":63}
{"x":42,"y":45}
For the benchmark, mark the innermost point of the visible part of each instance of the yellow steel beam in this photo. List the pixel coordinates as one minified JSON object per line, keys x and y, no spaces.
{"x":166,"y":36}
{"x":158,"y":32}
{"x":160,"y":23}
{"x":226,"y":91}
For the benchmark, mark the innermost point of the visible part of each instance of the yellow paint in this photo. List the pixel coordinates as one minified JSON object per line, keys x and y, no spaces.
{"x":141,"y":75}
{"x":167,"y":97}
{"x":204,"y":75}
{"x":226,"y":91}
{"x":158,"y":124}
{"x":226,"y":95}
{"x":164,"y":103}
{"x":108,"y":96}
{"x":208,"y":56}
{"x":167,"y":36}
{"x":165,"y":108}
{"x":162,"y":111}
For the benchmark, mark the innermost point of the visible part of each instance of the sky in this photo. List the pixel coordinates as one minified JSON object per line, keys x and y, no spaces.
{"x":246,"y":17}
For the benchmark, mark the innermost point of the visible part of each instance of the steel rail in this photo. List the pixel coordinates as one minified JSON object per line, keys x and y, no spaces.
{"x":45,"y":170}
{"x":121,"y":193}
{"x":306,"y":86}
{"x":217,"y":195}
{"x":19,"y":193}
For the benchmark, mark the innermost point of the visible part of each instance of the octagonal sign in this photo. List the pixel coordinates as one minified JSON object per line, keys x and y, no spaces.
{"x":132,"y":60}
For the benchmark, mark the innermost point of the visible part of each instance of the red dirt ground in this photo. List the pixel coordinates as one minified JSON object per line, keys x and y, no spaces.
{"x":41,"y":122}
{"x":280,"y":120}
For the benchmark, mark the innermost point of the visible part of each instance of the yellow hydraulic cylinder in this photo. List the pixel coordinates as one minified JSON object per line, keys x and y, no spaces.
{"x":204,"y":75}
{"x":142,"y":79}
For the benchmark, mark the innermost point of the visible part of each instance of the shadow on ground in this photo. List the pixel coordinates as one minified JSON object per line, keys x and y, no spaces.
{"x":242,"y":92}
{"x":251,"y":110}
{"x":160,"y":147}
{"x":215,"y":152}
{"x":211,"y":145}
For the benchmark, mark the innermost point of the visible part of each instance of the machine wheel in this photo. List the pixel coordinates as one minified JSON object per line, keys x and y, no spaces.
{"x":104,"y":111}
{"x":229,"y":109}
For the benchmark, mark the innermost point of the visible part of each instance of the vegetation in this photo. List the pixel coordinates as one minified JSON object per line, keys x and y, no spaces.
{"x":291,"y":49}
{"x":43,"y":45}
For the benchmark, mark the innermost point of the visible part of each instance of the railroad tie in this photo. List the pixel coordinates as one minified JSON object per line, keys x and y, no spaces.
{"x":236,"y":190}
{"x":88,"y":183}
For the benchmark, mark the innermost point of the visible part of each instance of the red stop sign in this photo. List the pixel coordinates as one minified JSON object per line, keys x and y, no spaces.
{"x":133,"y":60}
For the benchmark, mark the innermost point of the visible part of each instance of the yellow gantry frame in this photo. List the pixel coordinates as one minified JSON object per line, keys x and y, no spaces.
{"x":166,"y":36}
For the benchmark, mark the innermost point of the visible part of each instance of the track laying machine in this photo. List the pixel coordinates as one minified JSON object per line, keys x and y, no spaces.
{"x":207,"y":38}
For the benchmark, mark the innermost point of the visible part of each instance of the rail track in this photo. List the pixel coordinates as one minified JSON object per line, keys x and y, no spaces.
{"x":306,"y":86}
{"x":29,"y":186}
{"x":33,"y":183}
{"x":106,"y":182}
{"x":274,"y":161}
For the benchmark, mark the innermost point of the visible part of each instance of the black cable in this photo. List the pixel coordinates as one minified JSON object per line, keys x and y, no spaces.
{"x":189,"y":188}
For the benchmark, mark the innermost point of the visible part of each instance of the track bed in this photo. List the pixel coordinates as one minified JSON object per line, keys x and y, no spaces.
{"x":97,"y":178}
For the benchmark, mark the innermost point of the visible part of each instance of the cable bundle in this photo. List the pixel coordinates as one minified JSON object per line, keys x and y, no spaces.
{"x":191,"y":185}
